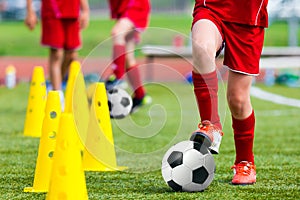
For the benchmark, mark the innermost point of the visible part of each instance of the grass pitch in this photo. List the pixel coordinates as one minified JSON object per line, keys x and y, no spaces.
{"x":141,"y":140}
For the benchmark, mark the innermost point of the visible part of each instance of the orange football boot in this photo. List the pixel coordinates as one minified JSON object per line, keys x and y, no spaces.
{"x":244,"y":173}
{"x":208,"y":134}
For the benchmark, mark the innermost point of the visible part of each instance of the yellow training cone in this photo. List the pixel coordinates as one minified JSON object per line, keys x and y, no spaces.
{"x":76,"y":100}
{"x":67,"y":178}
{"x":73,"y":73}
{"x":80,"y":108}
{"x":100,"y":151}
{"x":47,"y":144}
{"x":36,"y":104}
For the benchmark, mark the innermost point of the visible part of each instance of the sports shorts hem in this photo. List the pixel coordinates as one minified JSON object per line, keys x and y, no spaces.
{"x":56,"y":47}
{"x":240,"y":72}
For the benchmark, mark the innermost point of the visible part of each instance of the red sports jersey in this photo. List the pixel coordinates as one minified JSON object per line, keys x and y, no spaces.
{"x":136,"y":10}
{"x":60,"y":8}
{"x":251,"y":12}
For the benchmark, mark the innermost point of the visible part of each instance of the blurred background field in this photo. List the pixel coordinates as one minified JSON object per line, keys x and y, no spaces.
{"x":17,"y":40}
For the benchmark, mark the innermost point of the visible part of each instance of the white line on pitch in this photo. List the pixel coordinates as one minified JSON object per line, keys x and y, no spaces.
{"x":275,"y":98}
{"x":275,"y":113}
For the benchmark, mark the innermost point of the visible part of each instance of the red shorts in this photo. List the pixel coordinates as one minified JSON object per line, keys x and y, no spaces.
{"x":138,"y":12}
{"x":243,"y":43}
{"x":61,"y":33}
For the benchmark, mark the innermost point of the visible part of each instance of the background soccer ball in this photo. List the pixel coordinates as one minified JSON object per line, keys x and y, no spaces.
{"x":119,"y":103}
{"x":188,"y":166}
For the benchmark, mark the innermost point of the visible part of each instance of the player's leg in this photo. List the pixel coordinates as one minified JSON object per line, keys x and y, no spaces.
{"x":206,"y":41}
{"x":69,"y":56}
{"x":243,"y":123}
{"x":55,"y":61}
{"x":242,"y":57}
{"x":72,"y":42}
{"x":238,"y":94}
{"x":133,"y":73}
{"x":53,"y":37}
{"x":243,"y":120}
{"x":119,"y":32}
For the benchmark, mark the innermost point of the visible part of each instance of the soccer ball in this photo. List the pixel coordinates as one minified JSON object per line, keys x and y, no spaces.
{"x":188,"y":166}
{"x":119,"y":103}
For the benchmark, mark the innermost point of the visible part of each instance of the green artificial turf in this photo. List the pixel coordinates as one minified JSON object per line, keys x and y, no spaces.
{"x":142,"y":139}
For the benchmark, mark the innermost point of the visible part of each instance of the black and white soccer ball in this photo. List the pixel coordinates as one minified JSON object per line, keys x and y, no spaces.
{"x":188,"y":166}
{"x":119,"y":103}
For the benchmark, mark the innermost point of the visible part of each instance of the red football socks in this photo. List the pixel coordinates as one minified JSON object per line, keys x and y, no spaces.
{"x":119,"y":54}
{"x":206,"y":92}
{"x":133,"y":75}
{"x":244,"y":137}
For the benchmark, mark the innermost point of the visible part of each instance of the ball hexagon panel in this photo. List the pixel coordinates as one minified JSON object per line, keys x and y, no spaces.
{"x":166,"y":172}
{"x":209,"y":164}
{"x":193,"y":159}
{"x":182,"y":175}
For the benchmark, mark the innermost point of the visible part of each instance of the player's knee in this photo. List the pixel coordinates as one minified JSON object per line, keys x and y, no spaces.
{"x":56,"y":54}
{"x":71,"y":55}
{"x":114,"y":32}
{"x":118,"y":37}
{"x":204,"y":49}
{"x":238,"y":104}
{"x":235,"y":101}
